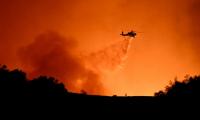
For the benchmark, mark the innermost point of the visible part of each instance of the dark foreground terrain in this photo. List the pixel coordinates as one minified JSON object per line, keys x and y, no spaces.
{"x":43,"y":91}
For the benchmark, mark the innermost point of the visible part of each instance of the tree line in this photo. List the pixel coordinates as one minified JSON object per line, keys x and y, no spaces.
{"x":15,"y":83}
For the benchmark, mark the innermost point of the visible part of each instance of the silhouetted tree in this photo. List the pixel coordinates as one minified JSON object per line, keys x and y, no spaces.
{"x":160,"y":93}
{"x":189,"y":87}
{"x":46,"y":87}
{"x":83,"y":92}
{"x":15,"y":83}
{"x":4,"y":67}
{"x":12,"y":82}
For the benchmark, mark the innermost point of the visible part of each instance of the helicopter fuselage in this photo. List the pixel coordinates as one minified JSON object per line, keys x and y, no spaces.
{"x":131,"y":34}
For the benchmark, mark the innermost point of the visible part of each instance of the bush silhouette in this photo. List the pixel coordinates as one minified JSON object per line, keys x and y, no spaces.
{"x":83,"y":92}
{"x":12,"y":81}
{"x":44,"y":86}
{"x":15,"y":83}
{"x":189,"y":87}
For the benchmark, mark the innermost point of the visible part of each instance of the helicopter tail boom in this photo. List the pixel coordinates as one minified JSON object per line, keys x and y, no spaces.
{"x":122,"y":34}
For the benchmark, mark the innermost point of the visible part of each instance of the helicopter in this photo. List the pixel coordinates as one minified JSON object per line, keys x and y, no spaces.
{"x":131,"y":34}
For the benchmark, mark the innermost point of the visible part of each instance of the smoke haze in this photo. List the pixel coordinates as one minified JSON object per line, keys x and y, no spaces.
{"x":168,"y":46}
{"x":53,"y":56}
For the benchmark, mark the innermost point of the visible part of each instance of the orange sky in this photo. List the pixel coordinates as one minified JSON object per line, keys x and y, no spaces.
{"x":168,"y":46}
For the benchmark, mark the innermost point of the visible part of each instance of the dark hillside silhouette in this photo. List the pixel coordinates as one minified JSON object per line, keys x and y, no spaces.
{"x":12,"y":82}
{"x":46,"y":87}
{"x":16,"y":86}
{"x":189,"y":87}
{"x":15,"y":83}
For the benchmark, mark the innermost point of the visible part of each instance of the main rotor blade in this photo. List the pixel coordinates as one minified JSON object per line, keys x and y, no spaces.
{"x":138,"y":32}
{"x":133,"y":31}
{"x":126,"y":30}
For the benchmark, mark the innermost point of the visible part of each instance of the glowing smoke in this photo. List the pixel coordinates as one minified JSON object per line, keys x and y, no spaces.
{"x":53,"y":55}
